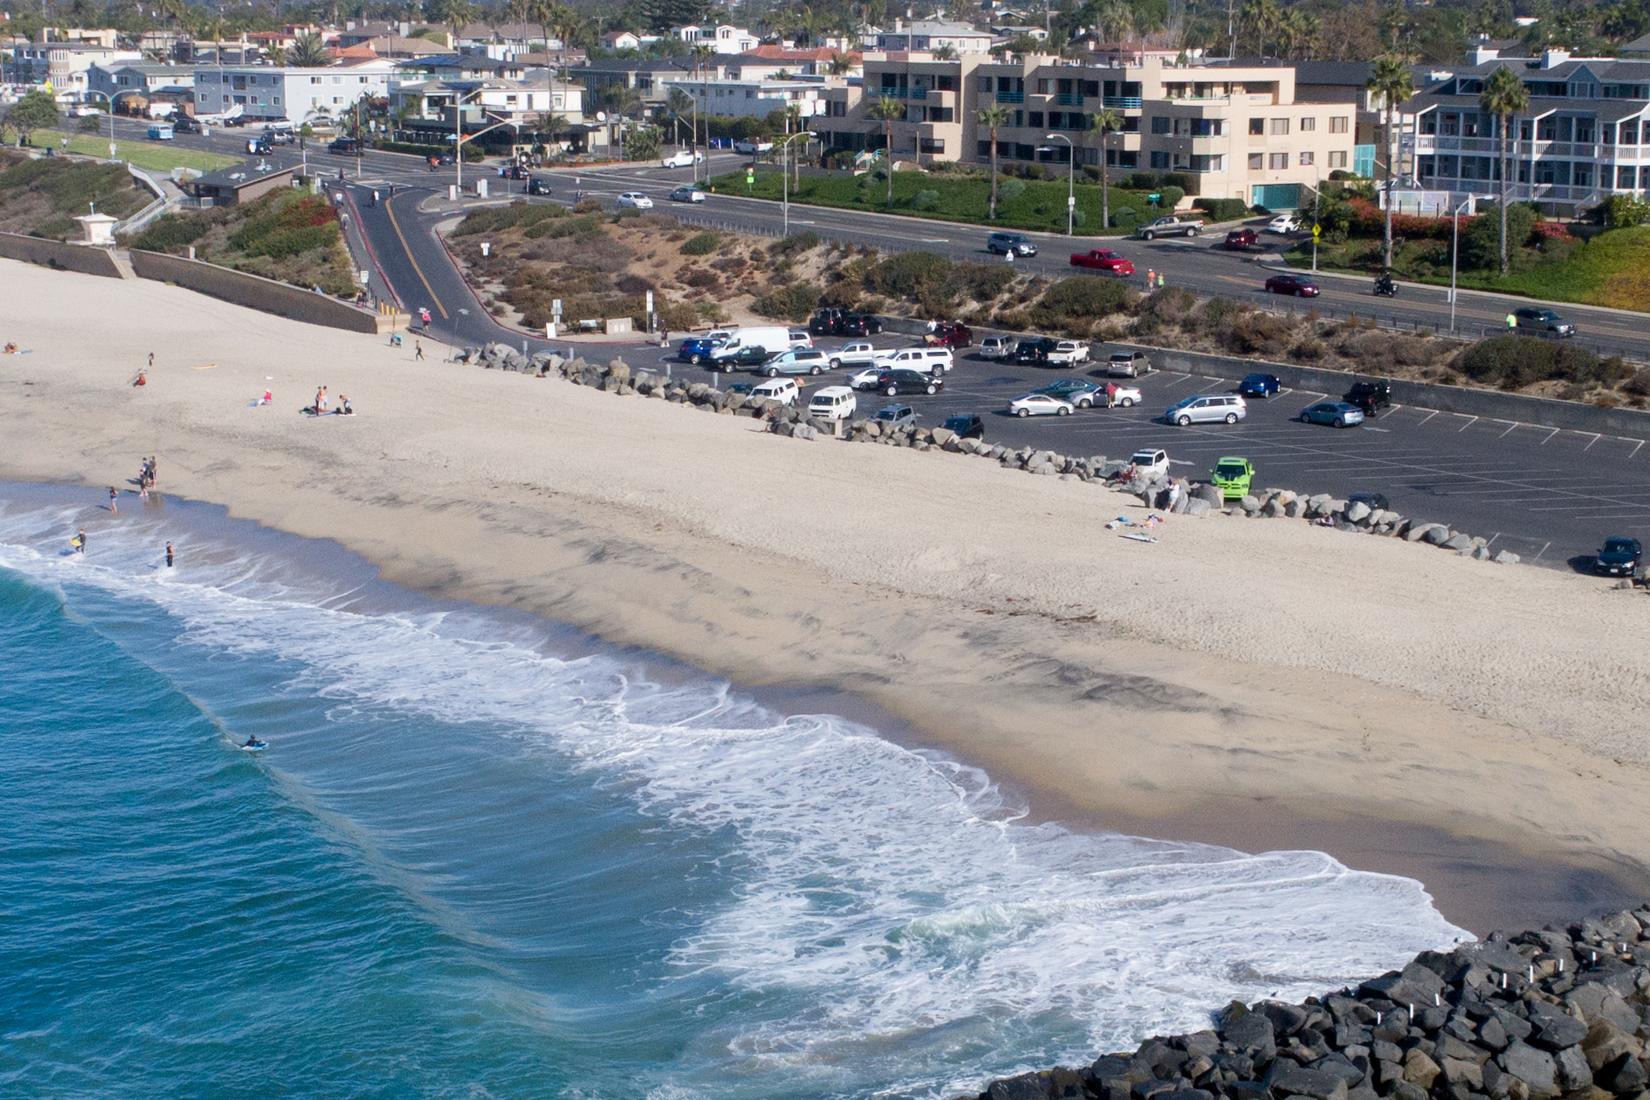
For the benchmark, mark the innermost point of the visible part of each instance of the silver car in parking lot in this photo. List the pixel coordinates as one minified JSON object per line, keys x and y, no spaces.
{"x":1207,"y":409}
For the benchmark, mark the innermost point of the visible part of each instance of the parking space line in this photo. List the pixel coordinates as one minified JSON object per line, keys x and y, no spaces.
{"x":1635,"y":450}
{"x":1542,"y":551}
{"x":1511,"y":428}
{"x":1428,"y":417}
{"x":1471,"y":420}
{"x":1596,"y":438}
{"x":1549,"y":436}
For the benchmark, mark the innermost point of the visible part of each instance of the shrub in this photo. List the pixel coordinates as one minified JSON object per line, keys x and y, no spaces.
{"x":1252,"y":331}
{"x":1221,"y":210}
{"x":982,"y":282}
{"x":908,"y":274}
{"x":925,"y":200}
{"x":1513,"y":362}
{"x":791,"y":302}
{"x":702,"y":244}
{"x":1009,"y":190}
{"x":1480,"y":238}
{"x":172,"y":232}
{"x":1077,"y":303}
{"x":795,"y":244}
{"x":1171,"y":196}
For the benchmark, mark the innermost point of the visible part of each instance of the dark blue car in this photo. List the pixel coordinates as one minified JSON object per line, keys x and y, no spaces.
{"x":695,"y":349}
{"x":1259,"y":385}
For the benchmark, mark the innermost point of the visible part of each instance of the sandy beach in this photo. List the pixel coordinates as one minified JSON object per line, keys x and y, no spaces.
{"x":1257,"y":683}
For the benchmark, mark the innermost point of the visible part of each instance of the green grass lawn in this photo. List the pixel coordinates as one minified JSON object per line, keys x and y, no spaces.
{"x":1611,"y":269}
{"x":151,"y":156}
{"x":1039,"y":205}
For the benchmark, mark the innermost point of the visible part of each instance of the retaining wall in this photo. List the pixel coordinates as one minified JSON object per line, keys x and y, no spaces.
{"x":255,"y":292}
{"x":1490,"y":404}
{"x":56,"y":254}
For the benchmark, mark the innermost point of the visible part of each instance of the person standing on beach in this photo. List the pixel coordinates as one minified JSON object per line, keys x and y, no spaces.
{"x":418,"y":350}
{"x":151,"y":360}
{"x":169,"y":555}
{"x":114,"y":499}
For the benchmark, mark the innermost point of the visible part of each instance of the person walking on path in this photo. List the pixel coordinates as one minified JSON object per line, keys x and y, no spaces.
{"x":168,"y":555}
{"x":151,"y":360}
{"x":114,"y":499}
{"x":1161,"y":281}
{"x":1151,"y":278}
{"x":1512,"y":322}
{"x":418,"y":350}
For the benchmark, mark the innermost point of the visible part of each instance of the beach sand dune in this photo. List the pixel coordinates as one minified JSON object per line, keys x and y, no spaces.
{"x":1250,"y":682}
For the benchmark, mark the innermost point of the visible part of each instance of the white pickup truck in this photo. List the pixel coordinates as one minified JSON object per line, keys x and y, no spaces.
{"x":1171,"y":226}
{"x":1069,"y":353}
{"x":860,"y":353}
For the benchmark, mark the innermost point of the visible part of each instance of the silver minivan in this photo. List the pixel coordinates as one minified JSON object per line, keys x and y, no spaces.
{"x":1207,"y":409}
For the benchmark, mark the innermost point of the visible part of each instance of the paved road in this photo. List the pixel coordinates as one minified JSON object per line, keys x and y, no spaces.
{"x":1549,"y":495}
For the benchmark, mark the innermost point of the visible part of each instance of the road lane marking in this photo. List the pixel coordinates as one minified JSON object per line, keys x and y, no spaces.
{"x":389,"y":209}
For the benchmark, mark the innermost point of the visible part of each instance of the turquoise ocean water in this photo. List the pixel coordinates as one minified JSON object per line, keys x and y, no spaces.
{"x":484,"y":857}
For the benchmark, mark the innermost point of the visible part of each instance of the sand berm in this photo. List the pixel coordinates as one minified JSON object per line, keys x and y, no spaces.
{"x":1251,"y":683}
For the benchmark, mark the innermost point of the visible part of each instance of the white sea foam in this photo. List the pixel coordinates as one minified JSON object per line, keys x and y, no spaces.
{"x":902,"y":911}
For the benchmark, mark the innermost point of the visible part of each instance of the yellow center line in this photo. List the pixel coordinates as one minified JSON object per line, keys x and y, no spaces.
{"x":389,"y":209}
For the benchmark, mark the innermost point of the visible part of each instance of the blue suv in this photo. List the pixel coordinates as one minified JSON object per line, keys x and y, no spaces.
{"x":1259,"y":385}
{"x":696,"y":349}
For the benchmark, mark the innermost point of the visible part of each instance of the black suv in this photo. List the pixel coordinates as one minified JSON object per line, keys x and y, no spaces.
{"x":858,"y":324}
{"x":966,"y":425}
{"x":1369,"y":396}
{"x":751,"y":356}
{"x":1034,"y":351}
{"x":344,"y":147}
{"x":894,"y":382}
{"x":538,"y":185}
{"x":824,"y":321}
{"x":185,"y":124}
{"x":1619,"y":556}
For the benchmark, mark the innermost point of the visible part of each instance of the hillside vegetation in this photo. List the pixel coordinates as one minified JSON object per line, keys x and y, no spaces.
{"x":42,"y":197}
{"x":288,"y":235}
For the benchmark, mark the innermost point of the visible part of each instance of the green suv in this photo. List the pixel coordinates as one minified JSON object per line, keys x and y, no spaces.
{"x":1232,"y":476}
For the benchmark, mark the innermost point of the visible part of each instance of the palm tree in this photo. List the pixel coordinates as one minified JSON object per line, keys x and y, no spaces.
{"x":887,"y":110}
{"x":1104,"y":122}
{"x":839,"y":64}
{"x":992,"y":117}
{"x":455,"y":14}
{"x":944,"y":52}
{"x":1504,"y":96}
{"x":1391,"y":83}
{"x":306,"y":52}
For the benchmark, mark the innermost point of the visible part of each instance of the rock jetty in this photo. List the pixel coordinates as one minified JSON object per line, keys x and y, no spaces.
{"x":1559,"y":1013}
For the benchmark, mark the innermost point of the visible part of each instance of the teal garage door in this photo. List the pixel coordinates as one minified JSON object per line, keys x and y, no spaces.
{"x":1277,"y":196}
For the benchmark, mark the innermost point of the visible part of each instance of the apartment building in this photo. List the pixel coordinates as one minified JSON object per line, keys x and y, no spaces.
{"x":932,"y":34}
{"x":299,"y":94}
{"x":1585,"y":136}
{"x":753,"y":98}
{"x":63,"y":65}
{"x":1235,"y":131}
{"x":127,"y":78}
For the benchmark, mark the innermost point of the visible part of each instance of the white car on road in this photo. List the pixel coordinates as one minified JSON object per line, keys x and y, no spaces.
{"x":1283,"y":223}
{"x":1039,"y":404}
{"x":681,"y":158}
{"x":635,"y":200}
{"x":860,"y":353}
{"x":750,"y":147}
{"x":687,"y":194}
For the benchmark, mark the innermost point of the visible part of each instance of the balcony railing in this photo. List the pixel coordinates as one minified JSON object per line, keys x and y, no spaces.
{"x":1068,"y":99}
{"x":1123,"y":102}
{"x":1011,"y":97}
{"x":895,"y":92}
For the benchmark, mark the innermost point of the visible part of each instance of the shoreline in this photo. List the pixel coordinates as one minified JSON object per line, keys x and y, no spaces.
{"x":767,"y":561}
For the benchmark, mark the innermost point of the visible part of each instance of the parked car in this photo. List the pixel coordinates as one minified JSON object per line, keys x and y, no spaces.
{"x":951,"y":334}
{"x":634,"y":200}
{"x":1298,"y":285}
{"x":1284,"y":223}
{"x":782,"y":390}
{"x":1233,"y":477}
{"x":697,"y":349}
{"x":1034,"y":351}
{"x":1069,"y":353}
{"x":866,"y":378}
{"x":1371,"y":500}
{"x":795,"y":361}
{"x":1103,"y":259}
{"x":1001,"y":244}
{"x":1078,"y":392}
{"x":1170,"y":225}
{"x":1369,"y":396}
{"x":1619,"y":556}
{"x":1541,"y":322}
{"x":1207,"y":409}
{"x":1150,"y":462}
{"x":750,"y":357}
{"x":935,"y":361}
{"x":1239,"y":240}
{"x":896,"y":416}
{"x":800,"y":338}
{"x":995,"y":347}
{"x":966,"y":425}
{"x":859,"y":324}
{"x":860,"y":353}
{"x":895,"y":382}
{"x":1039,"y":404}
{"x":1124,"y":397}
{"x":1259,"y":385}
{"x":344,"y":146}
{"x":687,"y":193}
{"x":682,"y":158}
{"x":1338,"y":414}
{"x":824,"y":321}
{"x":832,"y":403}
{"x":538,"y":185}
{"x":1127,"y":364}
{"x":750,"y":147}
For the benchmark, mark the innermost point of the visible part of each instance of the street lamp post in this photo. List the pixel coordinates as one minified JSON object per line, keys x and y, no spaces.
{"x":1454,"y":249}
{"x":1317,"y":192}
{"x":1071,"y":182}
{"x":458,"y":138}
{"x":785,"y":175}
{"x":110,"y":100}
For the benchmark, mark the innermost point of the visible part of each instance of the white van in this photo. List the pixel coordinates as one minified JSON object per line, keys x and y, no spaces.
{"x":782,"y":390}
{"x":935,"y":361}
{"x":774,"y":338}
{"x":832,"y":403}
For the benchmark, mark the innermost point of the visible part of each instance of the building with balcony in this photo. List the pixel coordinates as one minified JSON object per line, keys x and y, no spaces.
{"x":754,"y":98}
{"x":1585,"y":136}
{"x":299,"y":94}
{"x":932,"y":34}
{"x":122,"y":79}
{"x":66,"y":66}
{"x":1232,"y":131}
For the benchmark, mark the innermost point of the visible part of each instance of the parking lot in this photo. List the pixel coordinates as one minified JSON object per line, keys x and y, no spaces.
{"x":1546,"y":494}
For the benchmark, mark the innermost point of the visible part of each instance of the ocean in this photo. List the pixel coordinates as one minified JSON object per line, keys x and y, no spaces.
{"x":485,"y":856}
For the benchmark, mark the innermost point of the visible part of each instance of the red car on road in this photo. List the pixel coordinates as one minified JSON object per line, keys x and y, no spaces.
{"x":1103,"y":259}
{"x":1239,"y":239}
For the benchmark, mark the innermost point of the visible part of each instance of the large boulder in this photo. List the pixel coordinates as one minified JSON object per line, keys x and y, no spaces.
{"x":1535,"y":1068}
{"x":1458,"y":541}
{"x":1555,"y":1029}
{"x":942,"y":437}
{"x":1357,"y":511}
{"x":1208,"y":494}
{"x":1287,"y":1079}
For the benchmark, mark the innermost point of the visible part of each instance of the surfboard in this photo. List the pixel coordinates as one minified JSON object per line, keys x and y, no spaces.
{"x":256,"y":746}
{"x":1138,"y":536}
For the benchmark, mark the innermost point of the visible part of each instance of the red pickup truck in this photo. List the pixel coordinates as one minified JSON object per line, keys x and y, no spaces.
{"x":1103,"y":259}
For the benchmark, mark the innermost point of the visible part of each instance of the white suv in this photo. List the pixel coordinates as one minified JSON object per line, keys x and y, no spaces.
{"x":935,"y":361}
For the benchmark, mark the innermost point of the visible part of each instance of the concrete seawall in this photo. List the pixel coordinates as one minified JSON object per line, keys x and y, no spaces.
{"x":59,"y":255}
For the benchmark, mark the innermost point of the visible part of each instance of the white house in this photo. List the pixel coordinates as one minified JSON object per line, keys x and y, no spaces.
{"x":752,"y":98}
{"x":264,"y":91}
{"x":124,"y":78}
{"x":621,"y":40}
{"x":64,"y":65}
{"x":520,"y":101}
{"x":724,"y":37}
{"x":932,"y":34}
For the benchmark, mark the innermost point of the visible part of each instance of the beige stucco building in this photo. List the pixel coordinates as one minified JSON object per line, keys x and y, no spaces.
{"x":1233,"y":131}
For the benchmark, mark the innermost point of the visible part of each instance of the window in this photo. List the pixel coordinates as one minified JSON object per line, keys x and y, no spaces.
{"x":1160,"y":125}
{"x":1160,"y":160}
{"x":1279,"y":161}
{"x":1306,"y":160}
{"x":1257,"y":127}
{"x":1279,"y":127}
{"x":1044,"y":87}
{"x":1337,"y":124}
{"x":1337,"y":158}
{"x":1257,"y":161}
{"x":1034,"y":119}
{"x":1308,"y":125}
